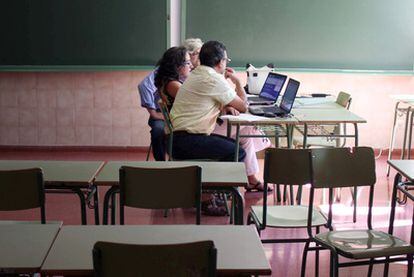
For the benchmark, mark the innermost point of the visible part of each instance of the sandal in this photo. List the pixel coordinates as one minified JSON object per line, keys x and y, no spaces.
{"x":258,"y":187}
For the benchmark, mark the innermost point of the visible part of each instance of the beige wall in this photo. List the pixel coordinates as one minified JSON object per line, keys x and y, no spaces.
{"x":103,"y":108}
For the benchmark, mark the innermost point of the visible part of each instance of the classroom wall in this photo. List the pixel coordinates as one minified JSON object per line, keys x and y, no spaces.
{"x":103,"y":108}
{"x":72,"y":109}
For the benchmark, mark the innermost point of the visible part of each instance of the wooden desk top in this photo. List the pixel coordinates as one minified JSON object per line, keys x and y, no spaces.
{"x":24,"y":245}
{"x":239,"y":249}
{"x":324,"y":116}
{"x":405,"y":167}
{"x":212,"y":173}
{"x":59,"y":171}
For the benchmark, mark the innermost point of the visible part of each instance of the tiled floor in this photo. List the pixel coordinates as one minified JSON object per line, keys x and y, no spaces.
{"x":285,"y":259}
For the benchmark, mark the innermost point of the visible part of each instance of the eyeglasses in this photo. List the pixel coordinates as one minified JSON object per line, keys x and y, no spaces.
{"x":187,"y":63}
{"x":227,"y":60}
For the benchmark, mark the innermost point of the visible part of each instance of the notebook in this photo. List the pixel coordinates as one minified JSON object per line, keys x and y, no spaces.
{"x":270,"y":90}
{"x":285,"y":105}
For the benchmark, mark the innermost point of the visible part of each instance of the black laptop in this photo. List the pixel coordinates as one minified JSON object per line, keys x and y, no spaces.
{"x":285,"y":105}
{"x":270,"y":90}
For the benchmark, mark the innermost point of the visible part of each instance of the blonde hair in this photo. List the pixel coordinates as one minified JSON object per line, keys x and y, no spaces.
{"x":192,"y":44}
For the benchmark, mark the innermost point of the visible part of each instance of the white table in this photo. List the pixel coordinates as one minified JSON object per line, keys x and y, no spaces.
{"x":24,"y":245}
{"x":239,"y":249}
{"x":215,"y":175}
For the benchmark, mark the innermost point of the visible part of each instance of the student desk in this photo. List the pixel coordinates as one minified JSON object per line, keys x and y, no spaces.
{"x":65,"y":176}
{"x":24,"y":245}
{"x":404,"y":168}
{"x":215,"y":175}
{"x":330,"y":114}
{"x":305,"y":114}
{"x":275,"y":123}
{"x":239,"y":250}
{"x":403,"y":107}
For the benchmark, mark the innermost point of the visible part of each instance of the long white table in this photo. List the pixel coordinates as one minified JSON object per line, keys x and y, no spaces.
{"x":239,"y":249}
{"x":24,"y":245}
{"x":215,"y":175}
{"x":305,"y":114}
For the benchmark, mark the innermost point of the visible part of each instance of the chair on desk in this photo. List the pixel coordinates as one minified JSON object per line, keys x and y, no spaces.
{"x":21,"y":190}
{"x":339,"y":167}
{"x":160,"y":188}
{"x":324,"y":135}
{"x":288,"y":167}
{"x":124,"y":260}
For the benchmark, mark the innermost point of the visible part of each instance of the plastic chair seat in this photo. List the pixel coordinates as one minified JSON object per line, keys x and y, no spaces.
{"x":364,"y":244}
{"x":288,"y":216}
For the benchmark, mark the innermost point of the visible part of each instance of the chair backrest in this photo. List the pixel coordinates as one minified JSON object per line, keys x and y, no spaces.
{"x":168,"y":126}
{"x":339,"y":167}
{"x":124,"y":260}
{"x":344,"y":99}
{"x":160,"y":188}
{"x":287,"y":166}
{"x":22,"y":189}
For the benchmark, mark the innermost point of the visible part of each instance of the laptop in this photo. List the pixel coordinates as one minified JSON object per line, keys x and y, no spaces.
{"x":285,"y":105}
{"x":270,"y":90}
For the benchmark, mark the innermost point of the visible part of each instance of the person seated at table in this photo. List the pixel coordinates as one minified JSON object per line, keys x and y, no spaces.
{"x":168,"y":83}
{"x":149,"y":100}
{"x":198,"y":104}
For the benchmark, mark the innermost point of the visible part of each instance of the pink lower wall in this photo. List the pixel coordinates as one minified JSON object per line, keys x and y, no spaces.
{"x":103,"y":108}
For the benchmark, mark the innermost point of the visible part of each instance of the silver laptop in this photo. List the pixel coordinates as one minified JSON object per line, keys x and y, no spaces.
{"x":270,"y":90}
{"x":285,"y":105}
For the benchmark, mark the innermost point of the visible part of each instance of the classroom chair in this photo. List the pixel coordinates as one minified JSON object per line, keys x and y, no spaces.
{"x":170,"y":138}
{"x":336,"y":168}
{"x":288,"y":167}
{"x":21,"y":190}
{"x":124,"y":260}
{"x":160,"y":188}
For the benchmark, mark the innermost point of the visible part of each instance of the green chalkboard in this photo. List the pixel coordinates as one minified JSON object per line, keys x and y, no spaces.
{"x":82,"y":32}
{"x":325,"y":34}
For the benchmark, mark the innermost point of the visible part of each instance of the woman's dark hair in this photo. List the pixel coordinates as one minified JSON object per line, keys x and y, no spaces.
{"x":211,"y":53}
{"x":168,"y":66}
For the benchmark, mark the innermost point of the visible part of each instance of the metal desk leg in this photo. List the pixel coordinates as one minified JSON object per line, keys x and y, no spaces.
{"x":355,"y":191}
{"x":405,"y":133}
{"x":228,"y":129}
{"x":238,"y":206}
{"x":107,"y":198}
{"x":236,"y":155}
{"x":305,"y":135}
{"x":96,"y":206}
{"x":392,"y":139}
{"x":356,"y":134}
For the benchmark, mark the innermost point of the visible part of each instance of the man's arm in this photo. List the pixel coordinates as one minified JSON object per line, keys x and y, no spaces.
{"x":240,"y":101}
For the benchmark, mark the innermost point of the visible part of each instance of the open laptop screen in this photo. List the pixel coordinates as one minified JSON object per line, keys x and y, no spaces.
{"x":289,"y":96}
{"x":272,"y":86}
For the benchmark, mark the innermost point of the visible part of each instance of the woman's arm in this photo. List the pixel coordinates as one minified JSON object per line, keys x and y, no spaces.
{"x":172,"y":88}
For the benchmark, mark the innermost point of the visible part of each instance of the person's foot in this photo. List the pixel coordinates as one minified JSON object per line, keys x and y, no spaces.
{"x":257,"y":187}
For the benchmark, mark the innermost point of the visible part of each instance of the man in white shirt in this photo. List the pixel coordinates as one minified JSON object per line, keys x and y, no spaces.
{"x":198,"y":104}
